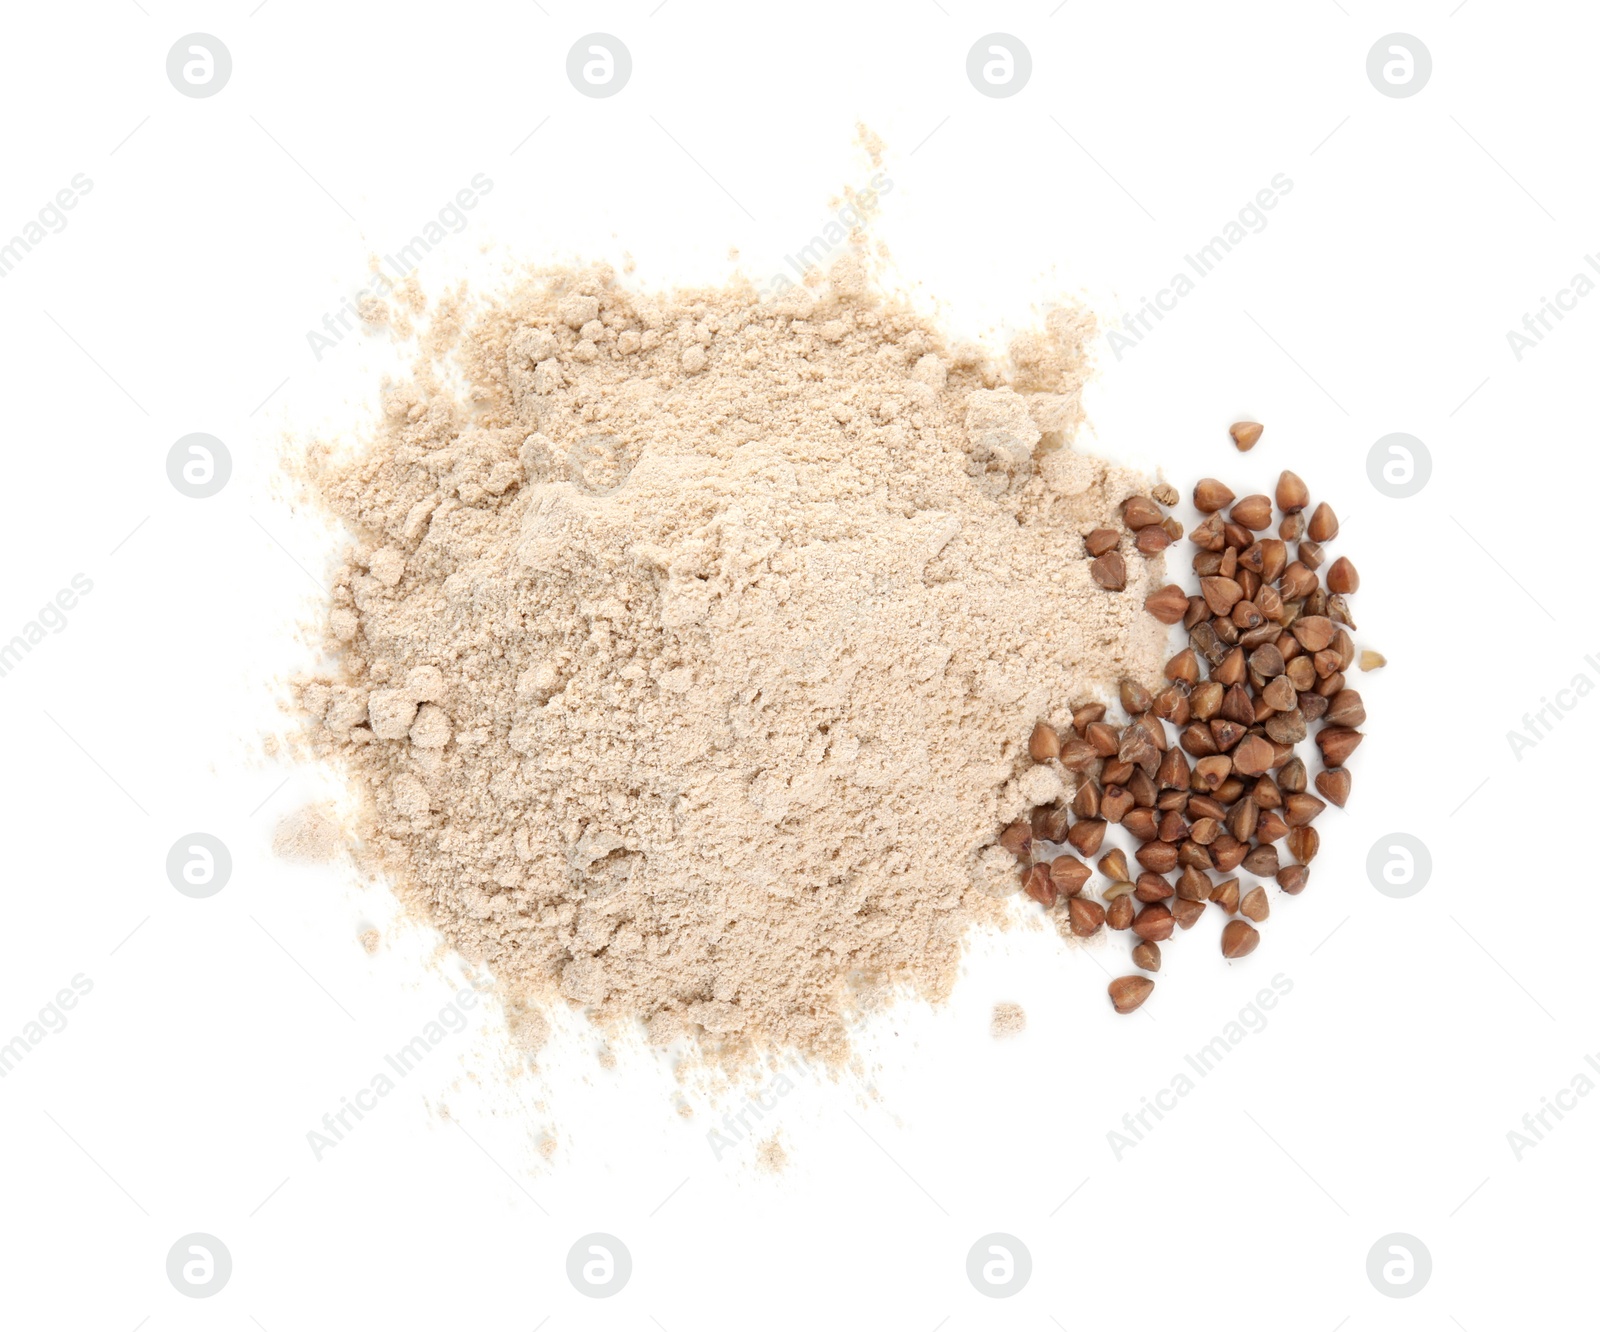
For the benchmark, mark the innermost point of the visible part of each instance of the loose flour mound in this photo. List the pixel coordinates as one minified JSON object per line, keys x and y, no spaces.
{"x":689,"y":647}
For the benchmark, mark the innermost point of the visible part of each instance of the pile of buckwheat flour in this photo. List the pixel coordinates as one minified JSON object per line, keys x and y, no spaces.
{"x":688,"y":652}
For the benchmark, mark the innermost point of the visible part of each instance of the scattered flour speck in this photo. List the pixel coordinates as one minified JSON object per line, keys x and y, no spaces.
{"x":771,"y":1156}
{"x":1007,"y":1020}
{"x":309,"y":835}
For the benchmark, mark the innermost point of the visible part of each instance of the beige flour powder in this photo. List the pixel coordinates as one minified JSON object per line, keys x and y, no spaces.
{"x":1007,"y":1020}
{"x":690,"y":644}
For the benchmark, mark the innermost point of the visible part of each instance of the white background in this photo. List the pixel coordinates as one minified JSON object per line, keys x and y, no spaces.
{"x":1417,"y":1033}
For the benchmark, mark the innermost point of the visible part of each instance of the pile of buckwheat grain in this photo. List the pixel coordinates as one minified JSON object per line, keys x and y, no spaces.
{"x":1268,"y":651}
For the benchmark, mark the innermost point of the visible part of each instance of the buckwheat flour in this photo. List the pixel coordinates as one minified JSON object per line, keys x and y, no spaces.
{"x":1007,"y":1020}
{"x":690,"y":643}
{"x":308,"y":834}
